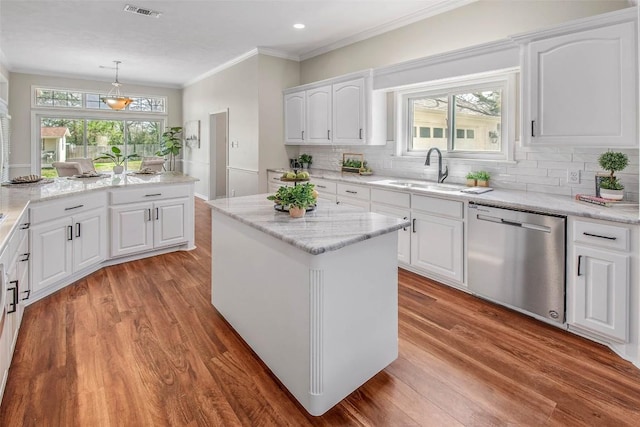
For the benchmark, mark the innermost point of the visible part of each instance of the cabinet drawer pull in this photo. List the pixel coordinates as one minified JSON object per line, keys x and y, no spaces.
{"x":328,"y":134}
{"x":405,"y":228}
{"x":361,"y":133}
{"x":77,"y":229}
{"x":25,"y":226}
{"x":26,"y":257}
{"x":149,"y":214}
{"x":413,"y":225}
{"x":153,"y":195}
{"x":533,"y":133}
{"x":69,"y":232}
{"x":579,"y":265}
{"x":73,"y":207}
{"x":600,"y":236}
{"x":350,"y":191}
{"x":28,"y":292}
{"x":321,"y":186}
{"x":14,"y":302}
{"x":302,"y":135}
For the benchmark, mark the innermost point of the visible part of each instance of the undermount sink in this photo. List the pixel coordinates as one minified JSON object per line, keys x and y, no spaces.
{"x":421,"y":185}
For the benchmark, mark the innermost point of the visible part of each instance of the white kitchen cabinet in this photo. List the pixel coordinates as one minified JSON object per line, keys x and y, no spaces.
{"x":342,"y":110}
{"x":294,"y":117}
{"x":66,"y":245}
{"x":326,"y":190}
{"x":348,"y":112}
{"x":353,"y":195}
{"x":274,"y":182}
{"x":436,"y":245}
{"x":599,"y":272}
{"x":145,"y":219}
{"x":318,"y":123}
{"x":437,"y":238}
{"x":581,"y":88}
{"x":395,"y":204}
{"x":66,"y":235}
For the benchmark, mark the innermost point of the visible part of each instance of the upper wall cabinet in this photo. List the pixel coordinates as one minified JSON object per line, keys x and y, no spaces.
{"x":580,"y":86}
{"x":340,"y":111}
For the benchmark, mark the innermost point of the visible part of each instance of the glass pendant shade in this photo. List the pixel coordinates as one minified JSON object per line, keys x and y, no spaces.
{"x":114,"y":99}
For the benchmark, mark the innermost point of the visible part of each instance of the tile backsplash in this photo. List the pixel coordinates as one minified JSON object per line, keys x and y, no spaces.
{"x":540,"y":169}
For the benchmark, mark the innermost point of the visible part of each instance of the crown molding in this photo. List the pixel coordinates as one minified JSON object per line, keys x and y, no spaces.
{"x":228,"y":64}
{"x":435,"y":9}
{"x":278,"y":54}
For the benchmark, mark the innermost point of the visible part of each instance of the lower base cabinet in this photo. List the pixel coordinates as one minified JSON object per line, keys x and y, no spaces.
{"x":437,"y":245}
{"x":66,"y":245}
{"x":139,"y":227}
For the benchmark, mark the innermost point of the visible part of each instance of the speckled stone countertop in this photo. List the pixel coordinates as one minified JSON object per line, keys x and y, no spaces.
{"x":540,"y":202}
{"x":14,"y":199}
{"x":329,"y":227}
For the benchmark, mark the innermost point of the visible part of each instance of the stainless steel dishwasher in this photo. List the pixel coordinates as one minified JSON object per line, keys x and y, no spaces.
{"x":517,"y":258}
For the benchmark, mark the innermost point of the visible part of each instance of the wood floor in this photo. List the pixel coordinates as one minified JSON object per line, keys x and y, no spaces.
{"x":139,"y":344}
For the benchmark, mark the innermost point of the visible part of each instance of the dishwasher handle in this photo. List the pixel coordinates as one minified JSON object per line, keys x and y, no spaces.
{"x":528,"y":226}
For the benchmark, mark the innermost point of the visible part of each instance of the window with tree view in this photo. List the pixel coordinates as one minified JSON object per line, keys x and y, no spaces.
{"x":464,"y":119}
{"x":63,"y":139}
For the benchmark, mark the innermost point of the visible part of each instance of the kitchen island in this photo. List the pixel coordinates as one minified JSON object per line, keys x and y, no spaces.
{"x":315,"y":297}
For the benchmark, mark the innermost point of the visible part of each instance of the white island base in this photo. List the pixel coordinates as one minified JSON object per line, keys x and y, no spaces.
{"x":324,"y":324}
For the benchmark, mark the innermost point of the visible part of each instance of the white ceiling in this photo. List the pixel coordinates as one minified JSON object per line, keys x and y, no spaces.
{"x":191,"y":38}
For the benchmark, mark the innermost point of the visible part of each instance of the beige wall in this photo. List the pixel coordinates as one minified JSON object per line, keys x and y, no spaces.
{"x":480,"y":22}
{"x":252,"y":91}
{"x":275,"y":75}
{"x":20,"y":110}
{"x":4,"y":81}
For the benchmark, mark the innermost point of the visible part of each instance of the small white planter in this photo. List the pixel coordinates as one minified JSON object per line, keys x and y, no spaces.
{"x":118,"y":169}
{"x":611,"y":194}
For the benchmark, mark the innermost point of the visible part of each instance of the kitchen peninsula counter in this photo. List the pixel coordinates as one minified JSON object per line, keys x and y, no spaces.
{"x":314,"y":297}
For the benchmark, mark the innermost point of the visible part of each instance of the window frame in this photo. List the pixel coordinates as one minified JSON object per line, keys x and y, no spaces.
{"x":502,"y":79}
{"x":100,"y":93}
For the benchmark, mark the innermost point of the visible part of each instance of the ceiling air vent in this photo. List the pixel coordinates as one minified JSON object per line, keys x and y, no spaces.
{"x":140,"y":11}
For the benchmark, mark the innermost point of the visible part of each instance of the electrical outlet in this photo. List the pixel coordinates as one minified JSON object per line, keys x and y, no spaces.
{"x":573,"y":176}
{"x":233,"y":193}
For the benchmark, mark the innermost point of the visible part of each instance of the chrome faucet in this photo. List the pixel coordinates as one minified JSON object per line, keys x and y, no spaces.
{"x":441,"y":175}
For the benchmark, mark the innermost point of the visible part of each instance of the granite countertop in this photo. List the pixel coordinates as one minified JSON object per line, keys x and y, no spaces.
{"x":329,"y":227}
{"x":14,"y":199}
{"x":539,"y":202}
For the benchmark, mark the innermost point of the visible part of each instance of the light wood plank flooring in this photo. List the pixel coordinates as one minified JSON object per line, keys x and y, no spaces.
{"x":139,"y":344}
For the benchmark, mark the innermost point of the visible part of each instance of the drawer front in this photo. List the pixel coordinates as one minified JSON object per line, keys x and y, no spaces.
{"x":603,"y":235}
{"x":146,"y":194}
{"x":323,"y":186}
{"x":354,"y":191}
{"x":434,"y":205}
{"x":66,"y":206}
{"x":394,"y":198}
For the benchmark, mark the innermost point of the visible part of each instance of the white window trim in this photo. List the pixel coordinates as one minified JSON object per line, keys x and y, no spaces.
{"x":506,"y":79}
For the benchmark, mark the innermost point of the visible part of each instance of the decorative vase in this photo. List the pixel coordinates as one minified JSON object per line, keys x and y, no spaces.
{"x":482,"y":183}
{"x":471,"y":182}
{"x":296,"y":212}
{"x":118,"y":169}
{"x":611,"y":194}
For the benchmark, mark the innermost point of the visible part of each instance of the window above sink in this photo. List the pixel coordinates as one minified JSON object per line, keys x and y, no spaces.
{"x":471,"y":117}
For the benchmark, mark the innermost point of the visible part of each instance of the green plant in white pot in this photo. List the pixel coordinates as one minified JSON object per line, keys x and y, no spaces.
{"x":610,"y":186}
{"x":117,"y":158}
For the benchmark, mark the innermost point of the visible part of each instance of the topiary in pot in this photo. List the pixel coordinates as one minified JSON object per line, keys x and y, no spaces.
{"x":610,"y":186}
{"x":482,"y":178}
{"x":471,"y":179}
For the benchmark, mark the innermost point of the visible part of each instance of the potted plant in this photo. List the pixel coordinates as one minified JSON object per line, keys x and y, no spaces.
{"x":306,"y":160}
{"x":482,"y":178}
{"x":610,"y":187}
{"x":117,"y":158}
{"x":471,"y":179}
{"x":297,"y":198}
{"x":172,"y":144}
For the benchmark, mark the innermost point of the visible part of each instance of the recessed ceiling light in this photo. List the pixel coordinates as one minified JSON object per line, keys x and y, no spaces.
{"x":298,"y":26}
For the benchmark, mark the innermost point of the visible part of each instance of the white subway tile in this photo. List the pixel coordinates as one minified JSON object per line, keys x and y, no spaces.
{"x":541,"y":180}
{"x":549,"y":189}
{"x":527,"y":171}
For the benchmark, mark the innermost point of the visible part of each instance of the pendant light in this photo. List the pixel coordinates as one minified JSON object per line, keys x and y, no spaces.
{"x":114,"y":99}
